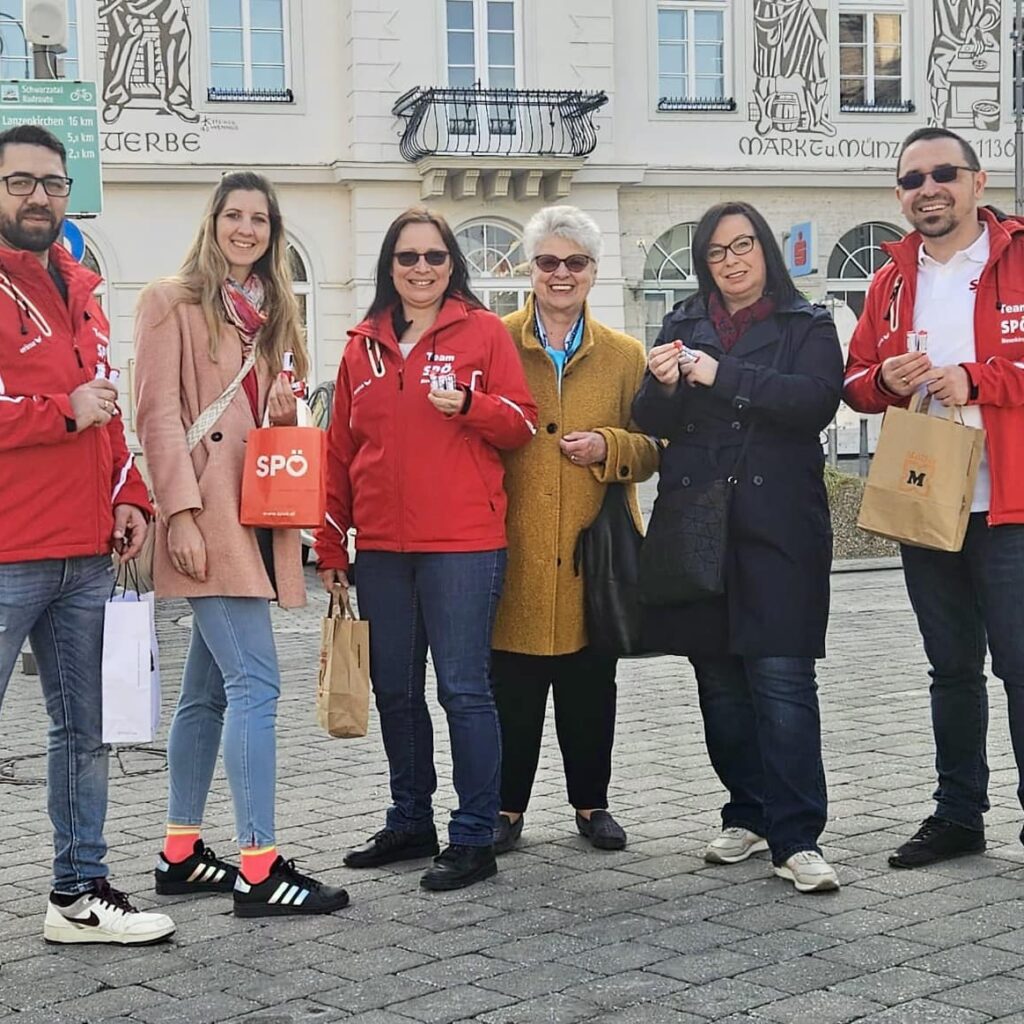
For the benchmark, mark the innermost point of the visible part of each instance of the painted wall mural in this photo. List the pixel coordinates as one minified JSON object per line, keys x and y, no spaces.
{"x":146,"y":48}
{"x":963,"y":64}
{"x":790,"y":68}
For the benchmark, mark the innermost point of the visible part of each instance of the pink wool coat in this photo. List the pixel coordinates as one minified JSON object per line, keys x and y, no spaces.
{"x":175,"y":380}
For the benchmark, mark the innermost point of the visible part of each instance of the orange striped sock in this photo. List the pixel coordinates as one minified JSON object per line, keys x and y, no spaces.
{"x":257,"y":862}
{"x":180,"y":842}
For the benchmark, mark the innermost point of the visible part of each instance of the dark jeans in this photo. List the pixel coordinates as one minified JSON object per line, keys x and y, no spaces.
{"x":445,"y":601}
{"x":961,"y":599}
{"x":584,"y":694}
{"x":763,"y":735}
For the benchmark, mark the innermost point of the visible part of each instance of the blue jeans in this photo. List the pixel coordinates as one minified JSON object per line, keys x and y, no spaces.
{"x":58,"y":605}
{"x":445,"y":601}
{"x":963,"y":599}
{"x":230,"y":684}
{"x":763,"y":734}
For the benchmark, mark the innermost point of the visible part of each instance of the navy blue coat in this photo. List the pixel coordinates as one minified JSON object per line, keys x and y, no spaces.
{"x":780,"y":531}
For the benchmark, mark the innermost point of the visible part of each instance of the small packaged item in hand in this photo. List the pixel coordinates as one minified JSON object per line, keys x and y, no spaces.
{"x":443,"y":382}
{"x":687,"y":355}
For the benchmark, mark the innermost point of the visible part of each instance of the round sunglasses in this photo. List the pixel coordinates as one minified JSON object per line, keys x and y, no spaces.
{"x":434,"y":257}
{"x":941,"y":175}
{"x":576,"y":263}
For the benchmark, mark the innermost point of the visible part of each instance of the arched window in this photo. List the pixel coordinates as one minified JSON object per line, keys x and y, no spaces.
{"x":668,"y":276}
{"x":302,"y":287}
{"x":92,"y":262}
{"x":855,"y":259}
{"x":495,"y":256}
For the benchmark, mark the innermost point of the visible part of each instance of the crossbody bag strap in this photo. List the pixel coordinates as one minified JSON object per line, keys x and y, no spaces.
{"x":213,"y":412}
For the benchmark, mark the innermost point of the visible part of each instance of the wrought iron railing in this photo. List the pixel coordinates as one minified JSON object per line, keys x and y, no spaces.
{"x":498,"y":122}
{"x":695,"y":103}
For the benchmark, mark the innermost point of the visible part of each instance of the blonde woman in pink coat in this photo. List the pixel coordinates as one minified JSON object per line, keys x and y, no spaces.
{"x":230,"y":307}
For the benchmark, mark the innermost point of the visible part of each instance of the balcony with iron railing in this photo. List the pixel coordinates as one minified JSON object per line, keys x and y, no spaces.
{"x":458,"y":136}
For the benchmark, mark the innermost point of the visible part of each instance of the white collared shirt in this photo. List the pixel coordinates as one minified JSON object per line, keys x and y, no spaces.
{"x":944,"y":307}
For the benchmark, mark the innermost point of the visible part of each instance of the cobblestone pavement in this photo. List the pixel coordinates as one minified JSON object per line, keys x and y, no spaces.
{"x":650,"y":935}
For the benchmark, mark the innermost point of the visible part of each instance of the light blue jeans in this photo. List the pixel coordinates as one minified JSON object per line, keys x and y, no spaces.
{"x":58,"y":605}
{"x":230,"y":686}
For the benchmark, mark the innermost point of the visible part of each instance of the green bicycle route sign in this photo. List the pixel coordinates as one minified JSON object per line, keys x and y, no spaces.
{"x":68,"y":109}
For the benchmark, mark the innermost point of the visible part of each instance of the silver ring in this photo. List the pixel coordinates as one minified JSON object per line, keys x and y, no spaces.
{"x":572,"y":458}
{"x":906,"y":380}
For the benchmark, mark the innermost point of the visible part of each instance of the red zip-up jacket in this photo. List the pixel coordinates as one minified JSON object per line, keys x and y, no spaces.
{"x":407,"y":477}
{"x":998,"y":370}
{"x":58,"y":486}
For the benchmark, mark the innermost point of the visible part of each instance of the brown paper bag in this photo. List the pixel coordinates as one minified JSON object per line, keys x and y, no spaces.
{"x":343,"y":690}
{"x":921,"y":481}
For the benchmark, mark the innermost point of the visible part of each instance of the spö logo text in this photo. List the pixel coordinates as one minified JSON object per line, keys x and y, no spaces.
{"x":295,"y":465}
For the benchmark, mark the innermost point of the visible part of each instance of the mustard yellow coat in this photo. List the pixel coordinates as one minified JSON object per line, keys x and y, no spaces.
{"x":549,"y":499}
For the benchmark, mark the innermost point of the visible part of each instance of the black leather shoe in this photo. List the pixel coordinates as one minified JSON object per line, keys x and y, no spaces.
{"x":603,"y":831}
{"x":460,"y":866}
{"x":937,"y":840}
{"x":506,"y":833}
{"x":388,"y":846}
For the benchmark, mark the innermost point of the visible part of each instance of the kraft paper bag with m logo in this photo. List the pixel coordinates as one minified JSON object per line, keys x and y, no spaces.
{"x":131,"y":669}
{"x":343,"y":689}
{"x":283,"y":478}
{"x":921,"y":481}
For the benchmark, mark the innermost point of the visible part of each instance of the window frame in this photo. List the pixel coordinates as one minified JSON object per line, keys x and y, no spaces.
{"x":307,"y":290}
{"x":691,"y":103}
{"x":669,"y":289}
{"x":868,"y":9}
{"x":249,"y":91}
{"x":481,"y":67}
{"x":484,"y":285}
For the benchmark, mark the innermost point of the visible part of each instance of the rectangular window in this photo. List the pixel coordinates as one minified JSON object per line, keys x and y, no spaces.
{"x":248,"y":47}
{"x":871,"y":59}
{"x":481,"y":43}
{"x":16,"y":54}
{"x":691,"y":52}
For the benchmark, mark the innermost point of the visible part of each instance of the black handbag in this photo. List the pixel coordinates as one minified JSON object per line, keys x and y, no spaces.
{"x":607,"y":554}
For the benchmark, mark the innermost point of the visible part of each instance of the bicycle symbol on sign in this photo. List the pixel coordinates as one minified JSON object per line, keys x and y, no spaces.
{"x":81,"y":94}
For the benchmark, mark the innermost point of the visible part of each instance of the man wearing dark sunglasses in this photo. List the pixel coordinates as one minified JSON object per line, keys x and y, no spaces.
{"x":959,"y":276}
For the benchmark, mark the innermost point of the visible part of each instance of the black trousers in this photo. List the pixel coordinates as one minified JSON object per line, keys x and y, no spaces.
{"x":584,"y":695}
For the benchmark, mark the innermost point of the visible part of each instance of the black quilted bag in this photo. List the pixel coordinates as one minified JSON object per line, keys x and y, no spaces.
{"x":608,"y":554}
{"x":682,"y":558}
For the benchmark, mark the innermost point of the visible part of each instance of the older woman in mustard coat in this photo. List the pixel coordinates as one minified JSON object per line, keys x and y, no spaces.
{"x":583,"y":376}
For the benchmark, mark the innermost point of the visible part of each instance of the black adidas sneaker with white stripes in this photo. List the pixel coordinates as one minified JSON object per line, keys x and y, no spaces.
{"x":201,"y":872}
{"x":285,"y":891}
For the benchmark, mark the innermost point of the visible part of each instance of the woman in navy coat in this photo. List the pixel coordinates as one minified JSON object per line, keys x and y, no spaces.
{"x":764,"y":356}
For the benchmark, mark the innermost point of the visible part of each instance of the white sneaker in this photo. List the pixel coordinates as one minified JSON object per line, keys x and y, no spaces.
{"x":734,"y":845}
{"x":104,"y":915}
{"x":809,"y":872}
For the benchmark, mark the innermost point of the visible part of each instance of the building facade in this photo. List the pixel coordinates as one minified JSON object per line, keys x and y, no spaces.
{"x":642,"y":112}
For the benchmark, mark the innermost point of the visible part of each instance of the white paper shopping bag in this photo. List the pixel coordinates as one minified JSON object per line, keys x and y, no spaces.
{"x":131,"y":671}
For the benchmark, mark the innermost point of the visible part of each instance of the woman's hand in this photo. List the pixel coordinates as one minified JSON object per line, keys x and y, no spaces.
{"x":702,"y":370}
{"x":584,"y":447}
{"x":331,"y":578}
{"x":282,"y":409}
{"x":186,"y":546}
{"x":663,"y":362}
{"x":447,"y":402}
{"x":903,"y":374}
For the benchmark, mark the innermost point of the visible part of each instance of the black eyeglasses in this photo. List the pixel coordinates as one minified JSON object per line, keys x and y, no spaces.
{"x":576,"y":263}
{"x":25,"y":184}
{"x":941,"y":175}
{"x":739,"y":246}
{"x":434,"y":257}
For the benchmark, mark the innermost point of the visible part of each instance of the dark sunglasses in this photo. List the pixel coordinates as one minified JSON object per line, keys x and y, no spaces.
{"x":576,"y":263}
{"x":434,"y":257}
{"x":941,"y":175}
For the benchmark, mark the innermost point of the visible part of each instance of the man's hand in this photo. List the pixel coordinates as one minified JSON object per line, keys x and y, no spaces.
{"x":331,"y":578}
{"x":663,"y":362}
{"x":186,"y":546}
{"x":129,"y":531}
{"x":903,"y":375}
{"x":282,"y":410}
{"x":951,"y":385}
{"x":93,"y":403}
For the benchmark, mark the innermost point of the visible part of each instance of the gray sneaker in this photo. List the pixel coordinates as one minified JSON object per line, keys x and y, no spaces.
{"x":733,"y":845}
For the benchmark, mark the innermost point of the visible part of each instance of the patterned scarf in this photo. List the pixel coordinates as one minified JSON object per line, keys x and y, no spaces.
{"x":731,"y":327}
{"x":243,"y":308}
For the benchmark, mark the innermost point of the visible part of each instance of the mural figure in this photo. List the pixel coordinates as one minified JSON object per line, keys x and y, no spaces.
{"x":963,"y":64}
{"x":790,"y":65}
{"x":149,"y":43}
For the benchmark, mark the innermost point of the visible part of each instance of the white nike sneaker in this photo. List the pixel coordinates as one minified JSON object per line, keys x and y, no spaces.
{"x":734,"y":845}
{"x":103,"y":915}
{"x":809,"y":872}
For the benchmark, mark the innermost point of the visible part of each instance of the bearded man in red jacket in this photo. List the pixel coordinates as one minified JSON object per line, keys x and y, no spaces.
{"x":70,"y":496}
{"x":959,"y":276}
